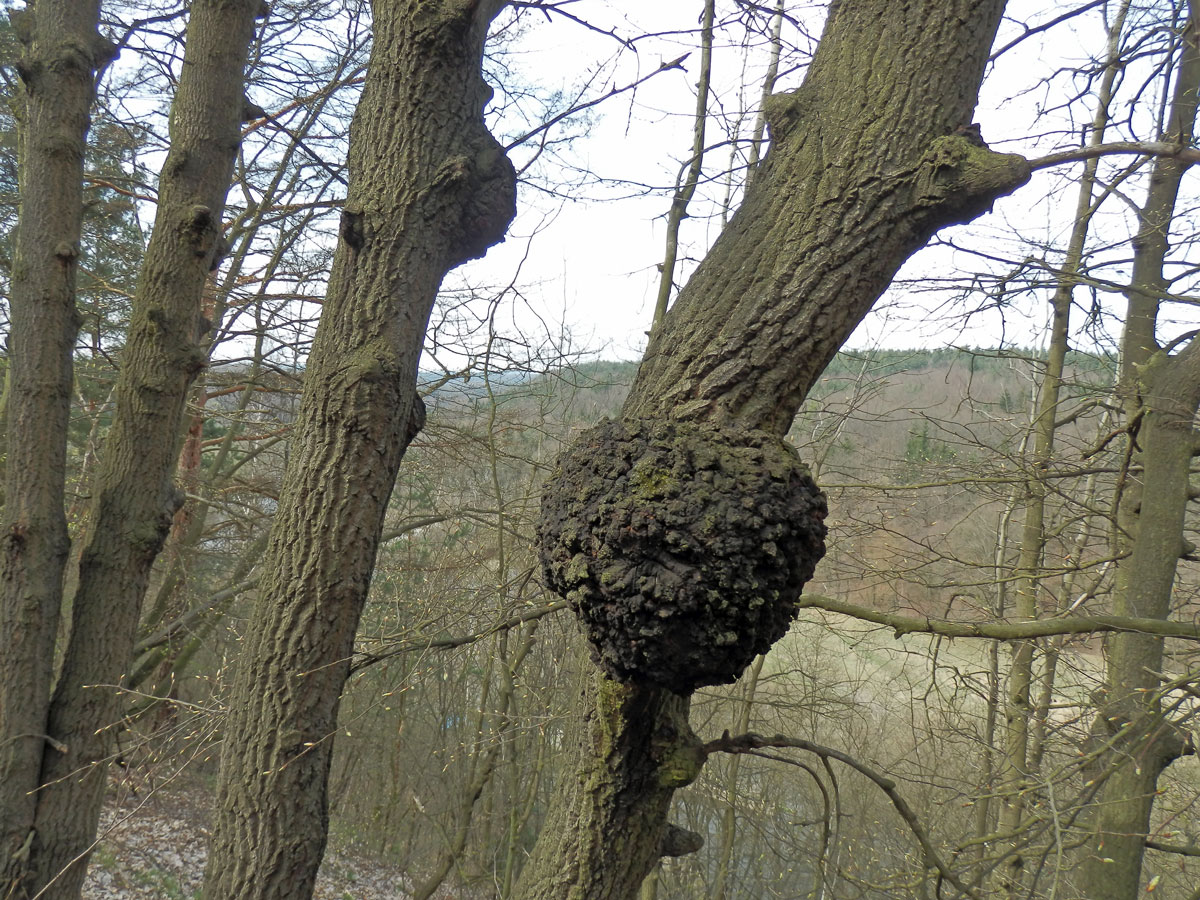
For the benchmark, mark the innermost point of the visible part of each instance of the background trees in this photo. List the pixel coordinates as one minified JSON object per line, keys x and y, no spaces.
{"x":464,"y":683}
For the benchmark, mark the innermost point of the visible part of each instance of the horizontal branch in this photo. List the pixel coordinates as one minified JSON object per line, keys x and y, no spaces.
{"x":1180,"y":152}
{"x":1173,"y":848}
{"x":1014,"y":478}
{"x":1003,"y":631}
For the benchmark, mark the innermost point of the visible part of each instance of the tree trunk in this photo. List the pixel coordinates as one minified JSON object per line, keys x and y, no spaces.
{"x":134,"y":496}
{"x":1015,"y":772}
{"x":1136,"y":742}
{"x":63,"y":50}
{"x":429,"y":189}
{"x":607,"y":828}
{"x":864,"y":167}
{"x":689,"y":177}
{"x":1139,"y":742}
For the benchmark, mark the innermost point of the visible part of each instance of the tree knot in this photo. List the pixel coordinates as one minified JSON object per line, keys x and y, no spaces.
{"x":961,"y":178}
{"x":682,"y":547}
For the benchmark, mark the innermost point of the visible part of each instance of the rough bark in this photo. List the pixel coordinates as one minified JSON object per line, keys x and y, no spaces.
{"x":63,"y":50}
{"x":864,"y":167}
{"x":1137,"y":742}
{"x":429,"y":189}
{"x":683,"y":550}
{"x":607,"y":827}
{"x":134,"y":496}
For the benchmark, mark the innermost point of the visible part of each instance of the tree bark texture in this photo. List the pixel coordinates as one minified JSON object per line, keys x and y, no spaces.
{"x":429,"y":189}
{"x":1137,"y":741}
{"x":607,"y":828}
{"x":134,"y":496}
{"x":63,"y":50}
{"x":864,"y":167}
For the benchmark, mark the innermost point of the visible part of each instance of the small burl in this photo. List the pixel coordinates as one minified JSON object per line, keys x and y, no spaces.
{"x":683,"y":548}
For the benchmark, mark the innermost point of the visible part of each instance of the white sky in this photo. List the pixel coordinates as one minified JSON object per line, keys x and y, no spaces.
{"x":591,"y":269}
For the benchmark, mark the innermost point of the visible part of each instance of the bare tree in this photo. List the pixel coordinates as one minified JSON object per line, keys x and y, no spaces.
{"x":56,"y":748}
{"x":850,"y":188}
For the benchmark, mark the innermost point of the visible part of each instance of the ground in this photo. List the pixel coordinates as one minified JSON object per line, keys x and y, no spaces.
{"x":153,"y":846}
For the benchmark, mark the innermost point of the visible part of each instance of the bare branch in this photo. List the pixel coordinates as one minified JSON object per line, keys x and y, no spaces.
{"x":566,"y":113}
{"x":1004,"y":631}
{"x":750,"y":743}
{"x":529,"y":615}
{"x":1137,"y":148}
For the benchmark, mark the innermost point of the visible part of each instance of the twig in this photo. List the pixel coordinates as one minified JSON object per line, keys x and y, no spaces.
{"x":554,"y":120}
{"x":368,"y":659}
{"x":751,"y":743}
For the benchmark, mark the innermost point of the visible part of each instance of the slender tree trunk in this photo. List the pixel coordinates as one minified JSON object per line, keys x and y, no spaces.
{"x":1014,"y":770}
{"x":760,"y":121}
{"x":1137,"y":743}
{"x":728,"y":829}
{"x":63,"y":50}
{"x":134,"y":496}
{"x":690,"y":177}
{"x":430,"y":188}
{"x":864,"y":167}
{"x":484,"y":761}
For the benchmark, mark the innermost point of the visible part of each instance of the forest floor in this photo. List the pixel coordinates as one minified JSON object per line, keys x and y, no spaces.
{"x":153,"y":846}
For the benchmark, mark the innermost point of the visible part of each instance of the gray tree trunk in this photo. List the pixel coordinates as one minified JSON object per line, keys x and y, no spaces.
{"x":63,"y":49}
{"x":864,"y":167}
{"x":429,"y":189}
{"x":1135,"y":741}
{"x":133,"y":495}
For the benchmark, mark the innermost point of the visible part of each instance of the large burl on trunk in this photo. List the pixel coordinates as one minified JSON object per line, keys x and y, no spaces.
{"x":683,"y":548}
{"x":683,"y":533}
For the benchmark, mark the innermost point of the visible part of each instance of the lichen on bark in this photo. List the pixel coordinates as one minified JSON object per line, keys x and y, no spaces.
{"x":683,"y":548}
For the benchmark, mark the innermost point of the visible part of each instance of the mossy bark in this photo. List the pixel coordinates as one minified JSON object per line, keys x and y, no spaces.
{"x":607,"y":828}
{"x":864,"y":167}
{"x":429,"y":189}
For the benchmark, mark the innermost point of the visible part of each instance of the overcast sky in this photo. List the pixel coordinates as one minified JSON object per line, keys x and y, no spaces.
{"x":586,"y":265}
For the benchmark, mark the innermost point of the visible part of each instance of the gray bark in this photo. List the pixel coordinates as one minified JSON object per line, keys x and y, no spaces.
{"x":63,"y":50}
{"x":133,"y":495}
{"x":864,"y":167}
{"x":429,"y":189}
{"x":1135,"y":742}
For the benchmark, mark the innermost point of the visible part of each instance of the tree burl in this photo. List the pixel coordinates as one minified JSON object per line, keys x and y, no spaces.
{"x":682,"y":547}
